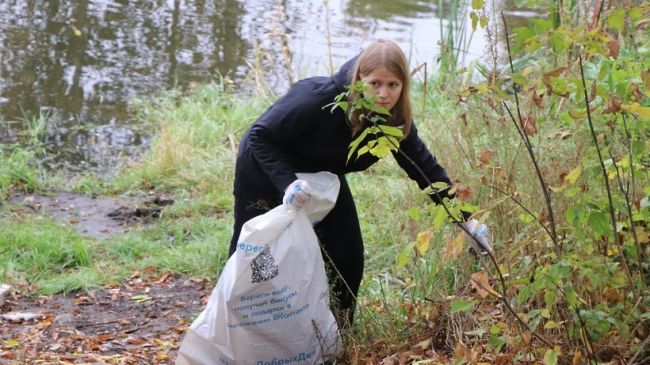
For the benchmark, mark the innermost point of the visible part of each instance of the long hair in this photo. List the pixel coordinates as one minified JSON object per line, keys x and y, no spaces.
{"x":383,"y":53}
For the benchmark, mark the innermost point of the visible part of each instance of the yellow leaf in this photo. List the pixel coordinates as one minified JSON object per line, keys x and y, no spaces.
{"x":612,"y":250}
{"x":636,"y":108}
{"x":161,"y":356}
{"x":10,"y":343}
{"x":454,"y":247}
{"x":642,"y":234}
{"x":573,"y":175}
{"x":423,"y":241}
{"x":482,"y":88}
{"x":424,"y":344}
{"x":163,"y":344}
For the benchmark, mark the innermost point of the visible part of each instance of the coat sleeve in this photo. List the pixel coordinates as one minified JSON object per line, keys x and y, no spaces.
{"x":420,"y":155}
{"x":274,"y":131}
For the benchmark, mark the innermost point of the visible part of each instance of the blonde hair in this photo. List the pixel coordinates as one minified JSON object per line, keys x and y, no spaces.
{"x":383,"y":53}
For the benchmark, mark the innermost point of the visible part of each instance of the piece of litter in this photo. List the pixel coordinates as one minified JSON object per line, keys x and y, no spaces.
{"x":20,"y":316}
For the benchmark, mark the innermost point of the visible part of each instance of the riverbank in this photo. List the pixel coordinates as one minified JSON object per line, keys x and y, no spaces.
{"x":553,"y":158}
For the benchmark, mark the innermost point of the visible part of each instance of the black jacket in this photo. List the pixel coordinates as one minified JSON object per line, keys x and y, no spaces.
{"x":296,"y":134}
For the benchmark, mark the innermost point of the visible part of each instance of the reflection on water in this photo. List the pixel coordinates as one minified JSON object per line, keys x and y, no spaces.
{"x":83,"y":60}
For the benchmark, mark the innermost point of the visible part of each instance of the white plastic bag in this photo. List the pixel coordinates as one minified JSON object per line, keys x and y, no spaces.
{"x":271,"y":302}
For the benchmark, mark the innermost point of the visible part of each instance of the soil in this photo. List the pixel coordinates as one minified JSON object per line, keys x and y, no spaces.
{"x":141,"y":321}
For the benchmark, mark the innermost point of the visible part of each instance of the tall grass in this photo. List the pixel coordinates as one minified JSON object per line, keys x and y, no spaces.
{"x":195,"y":144}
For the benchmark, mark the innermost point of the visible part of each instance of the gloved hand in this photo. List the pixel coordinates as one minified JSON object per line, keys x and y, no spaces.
{"x":480,"y":232}
{"x":295,"y":195}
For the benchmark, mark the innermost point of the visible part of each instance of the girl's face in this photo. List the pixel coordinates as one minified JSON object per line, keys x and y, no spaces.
{"x":386,"y":86}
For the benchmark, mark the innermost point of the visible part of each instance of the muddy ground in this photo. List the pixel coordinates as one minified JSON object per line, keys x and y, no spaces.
{"x":98,"y":217}
{"x":139,"y":321}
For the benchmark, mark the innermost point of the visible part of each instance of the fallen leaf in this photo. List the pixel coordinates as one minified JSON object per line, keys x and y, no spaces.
{"x":424,"y":344}
{"x":10,"y":343}
{"x":141,"y":298}
{"x":163,"y":278}
{"x":481,"y":282}
{"x":161,"y":356}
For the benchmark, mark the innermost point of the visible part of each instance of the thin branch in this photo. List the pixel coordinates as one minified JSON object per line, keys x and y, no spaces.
{"x":600,"y":156}
{"x":547,"y":197}
{"x":522,"y":132}
{"x":490,"y":254}
{"x":641,"y":348}
{"x":619,"y":179}
{"x":524,"y":208}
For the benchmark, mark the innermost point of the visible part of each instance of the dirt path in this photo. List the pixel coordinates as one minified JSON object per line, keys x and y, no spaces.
{"x":139,"y":322}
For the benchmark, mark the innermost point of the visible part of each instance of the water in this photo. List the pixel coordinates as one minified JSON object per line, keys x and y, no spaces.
{"x":82,"y":61}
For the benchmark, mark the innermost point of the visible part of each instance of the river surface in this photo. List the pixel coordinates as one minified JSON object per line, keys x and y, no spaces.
{"x":80,"y":62}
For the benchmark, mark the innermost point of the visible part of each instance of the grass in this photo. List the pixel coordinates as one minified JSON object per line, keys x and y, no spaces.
{"x":409,"y":293}
{"x":191,"y":158}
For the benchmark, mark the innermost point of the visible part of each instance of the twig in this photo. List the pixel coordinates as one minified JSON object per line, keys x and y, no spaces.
{"x":524,"y":208}
{"x":531,"y":153}
{"x":619,"y":179}
{"x":328,"y":37}
{"x":493,"y":259}
{"x":600,"y":156}
{"x":639,"y":250}
{"x":641,"y":348}
{"x":522,"y":132}
{"x":103,"y":323}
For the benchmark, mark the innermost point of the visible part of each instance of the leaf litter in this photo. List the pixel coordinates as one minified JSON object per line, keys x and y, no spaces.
{"x":140,"y":321}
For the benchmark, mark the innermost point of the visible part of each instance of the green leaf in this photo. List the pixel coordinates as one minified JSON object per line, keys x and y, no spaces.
{"x":519,"y":79}
{"x":558,"y":41}
{"x":403,"y":258}
{"x":497,"y":342}
{"x":414,"y":213}
{"x":551,"y":325}
{"x":439,"y":217}
{"x":571,"y":297}
{"x":616,"y":19}
{"x":474,"y":18}
{"x":483,"y":21}
{"x":551,"y":356}
{"x":355,"y":144}
{"x":477,"y":4}
{"x":526,"y":218}
{"x":462,"y":306}
{"x":391,"y":131}
{"x":599,"y":222}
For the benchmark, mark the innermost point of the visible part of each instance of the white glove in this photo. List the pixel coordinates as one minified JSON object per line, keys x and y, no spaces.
{"x":295,"y":195}
{"x":480,"y":232}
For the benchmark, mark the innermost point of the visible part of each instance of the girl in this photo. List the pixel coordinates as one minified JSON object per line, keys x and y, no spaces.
{"x":296,"y":134}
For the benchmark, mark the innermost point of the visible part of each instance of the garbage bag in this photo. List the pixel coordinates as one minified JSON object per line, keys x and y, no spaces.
{"x":271,"y":303}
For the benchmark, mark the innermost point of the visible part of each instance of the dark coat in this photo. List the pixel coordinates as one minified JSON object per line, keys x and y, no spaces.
{"x":296,"y":134}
